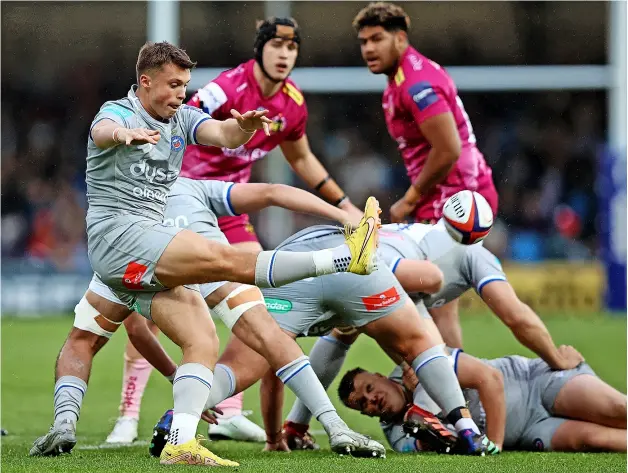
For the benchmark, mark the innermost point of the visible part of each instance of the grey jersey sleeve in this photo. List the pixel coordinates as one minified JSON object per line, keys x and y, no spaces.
{"x":191,"y":118}
{"x":482,"y":267}
{"x":218,"y":197}
{"x":120,"y":111}
{"x":389,"y":256}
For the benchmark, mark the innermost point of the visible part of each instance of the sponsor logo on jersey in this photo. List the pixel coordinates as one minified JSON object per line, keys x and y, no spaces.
{"x":417,"y":63}
{"x":400,"y":77}
{"x":278,"y":306}
{"x":211,"y":97}
{"x":381,"y":300}
{"x":152,"y":173}
{"x":133,"y":275}
{"x":423,"y":94}
{"x":241,"y":152}
{"x":292,"y":92}
{"x":177,"y":143}
{"x":250,"y":228}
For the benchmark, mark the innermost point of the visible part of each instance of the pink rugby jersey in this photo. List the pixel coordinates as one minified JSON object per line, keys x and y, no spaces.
{"x":238,"y":89}
{"x":419,"y":90}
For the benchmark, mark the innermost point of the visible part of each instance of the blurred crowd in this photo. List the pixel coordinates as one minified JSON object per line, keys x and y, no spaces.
{"x":542,"y":147}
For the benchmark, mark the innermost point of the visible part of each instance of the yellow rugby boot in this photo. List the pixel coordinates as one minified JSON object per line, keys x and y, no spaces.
{"x":192,"y":453}
{"x":363,"y":241}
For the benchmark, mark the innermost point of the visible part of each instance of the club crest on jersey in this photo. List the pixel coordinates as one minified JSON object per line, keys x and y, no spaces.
{"x":177,"y":143}
{"x":279,"y":124}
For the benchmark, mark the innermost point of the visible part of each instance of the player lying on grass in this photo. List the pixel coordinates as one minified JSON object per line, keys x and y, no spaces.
{"x":260,"y":82}
{"x":196,"y":205}
{"x":464,"y":267}
{"x":568,"y":411}
{"x":379,"y":306}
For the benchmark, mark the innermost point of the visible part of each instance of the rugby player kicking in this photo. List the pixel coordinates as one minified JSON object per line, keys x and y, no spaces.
{"x":135,"y":149}
{"x":261,"y":82}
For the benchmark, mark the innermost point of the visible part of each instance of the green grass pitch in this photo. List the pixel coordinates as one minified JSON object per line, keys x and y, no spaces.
{"x":30,"y":346}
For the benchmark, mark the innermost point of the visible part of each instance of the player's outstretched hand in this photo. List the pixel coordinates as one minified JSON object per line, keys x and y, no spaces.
{"x":136,"y":136}
{"x":253,"y":120}
{"x":209,"y":416}
{"x":354,"y":214}
{"x":400,"y":210}
{"x":569,"y":357}
{"x":280,"y":446}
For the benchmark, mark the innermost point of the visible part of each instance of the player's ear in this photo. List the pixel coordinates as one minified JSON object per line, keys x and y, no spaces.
{"x":401,"y":39}
{"x":145,"y":80}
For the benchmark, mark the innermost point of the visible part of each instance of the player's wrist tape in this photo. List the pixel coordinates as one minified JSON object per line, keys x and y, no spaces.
{"x":341,"y":200}
{"x":322,"y":183}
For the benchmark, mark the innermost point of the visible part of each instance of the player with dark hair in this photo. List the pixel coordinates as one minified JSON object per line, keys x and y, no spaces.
{"x":260,"y":82}
{"x":547,"y":410}
{"x":424,"y":115}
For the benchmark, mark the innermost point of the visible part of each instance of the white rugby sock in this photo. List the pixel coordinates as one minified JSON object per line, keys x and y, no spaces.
{"x":68,"y":398}
{"x":300,"y":378}
{"x":278,"y":268}
{"x":223,"y":386}
{"x":190,"y":388}
{"x":326,"y":358}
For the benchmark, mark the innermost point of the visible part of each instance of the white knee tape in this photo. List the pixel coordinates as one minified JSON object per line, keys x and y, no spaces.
{"x":87,"y":318}
{"x":231,"y":308}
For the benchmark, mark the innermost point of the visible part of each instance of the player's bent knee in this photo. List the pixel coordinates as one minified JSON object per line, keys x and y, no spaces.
{"x":88,"y":319}
{"x":618,"y":408}
{"x":237,"y":302}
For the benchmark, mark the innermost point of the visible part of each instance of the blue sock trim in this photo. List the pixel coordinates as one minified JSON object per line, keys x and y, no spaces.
{"x":69,"y":386}
{"x":431,"y":358}
{"x":330,"y":339}
{"x":296,"y":373}
{"x":191,"y":376}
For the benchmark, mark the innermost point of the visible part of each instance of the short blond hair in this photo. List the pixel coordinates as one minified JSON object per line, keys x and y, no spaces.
{"x":387,"y":15}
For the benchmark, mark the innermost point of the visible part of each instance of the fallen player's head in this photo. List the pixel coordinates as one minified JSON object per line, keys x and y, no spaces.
{"x":163,"y":73}
{"x":383,"y":33}
{"x":276,"y":47}
{"x":372,"y":394}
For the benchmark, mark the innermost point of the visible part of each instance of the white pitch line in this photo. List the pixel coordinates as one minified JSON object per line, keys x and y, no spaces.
{"x":138,"y":443}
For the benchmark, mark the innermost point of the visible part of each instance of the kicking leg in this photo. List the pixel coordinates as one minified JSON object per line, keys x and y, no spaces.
{"x":90,"y":333}
{"x":191,"y":258}
{"x":588,"y":398}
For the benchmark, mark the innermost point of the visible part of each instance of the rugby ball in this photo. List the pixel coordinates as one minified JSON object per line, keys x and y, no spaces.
{"x":468,"y":217}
